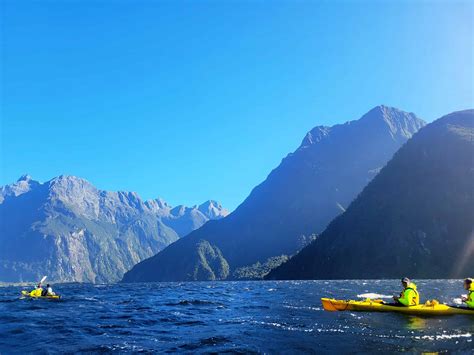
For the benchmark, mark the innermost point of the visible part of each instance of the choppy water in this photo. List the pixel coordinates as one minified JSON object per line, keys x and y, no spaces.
{"x":225,"y":317}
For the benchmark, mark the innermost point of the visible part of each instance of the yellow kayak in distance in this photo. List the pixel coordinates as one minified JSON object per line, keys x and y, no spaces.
{"x":430,"y":308}
{"x":33,"y":295}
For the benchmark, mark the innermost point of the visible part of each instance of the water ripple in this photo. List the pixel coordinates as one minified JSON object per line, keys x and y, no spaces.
{"x":235,"y":317}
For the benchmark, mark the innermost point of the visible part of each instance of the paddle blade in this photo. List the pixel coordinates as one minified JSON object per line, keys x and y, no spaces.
{"x":42,"y":280}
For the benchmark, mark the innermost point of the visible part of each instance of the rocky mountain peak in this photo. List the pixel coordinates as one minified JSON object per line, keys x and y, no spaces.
{"x":400,"y":123}
{"x":24,"y":184}
{"x":212,"y":209}
{"x":161,"y":203}
{"x":70,"y":187}
{"x":179,"y":210}
{"x":316,"y":135}
{"x":25,"y":177}
{"x":158,"y":205}
{"x":69,"y":183}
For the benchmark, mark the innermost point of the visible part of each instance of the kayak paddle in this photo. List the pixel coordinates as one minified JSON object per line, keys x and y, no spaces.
{"x":42,"y":280}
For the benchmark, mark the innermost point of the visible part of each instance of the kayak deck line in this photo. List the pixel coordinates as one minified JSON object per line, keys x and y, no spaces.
{"x":370,"y":305}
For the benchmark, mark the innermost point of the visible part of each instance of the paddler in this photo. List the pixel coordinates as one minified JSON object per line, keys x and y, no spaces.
{"x":38,"y":291}
{"x":409,"y":296}
{"x":48,"y":291}
{"x":469,"y":285}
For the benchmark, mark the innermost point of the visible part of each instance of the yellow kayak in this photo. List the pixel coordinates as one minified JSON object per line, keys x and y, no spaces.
{"x":433,"y":308}
{"x":34,"y":294}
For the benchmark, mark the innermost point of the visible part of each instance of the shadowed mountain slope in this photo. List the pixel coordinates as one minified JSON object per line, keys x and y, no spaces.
{"x":298,"y":199}
{"x":415,"y":218}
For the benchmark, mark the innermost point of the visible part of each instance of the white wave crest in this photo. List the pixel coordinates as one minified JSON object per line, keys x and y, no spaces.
{"x":444,"y":336}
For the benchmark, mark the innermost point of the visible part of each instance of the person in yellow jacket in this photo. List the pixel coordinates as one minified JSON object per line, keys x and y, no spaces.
{"x":409,"y":296}
{"x":37,"y":291}
{"x":469,"y":285}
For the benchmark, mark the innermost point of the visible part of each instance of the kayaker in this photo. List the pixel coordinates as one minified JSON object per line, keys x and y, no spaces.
{"x":469,"y":285}
{"x":409,"y":296}
{"x":38,"y":291}
{"x":48,"y":291}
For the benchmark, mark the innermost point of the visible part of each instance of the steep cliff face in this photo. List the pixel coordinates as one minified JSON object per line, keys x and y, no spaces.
{"x":71,"y":231}
{"x":415,"y":218}
{"x":298,"y":199}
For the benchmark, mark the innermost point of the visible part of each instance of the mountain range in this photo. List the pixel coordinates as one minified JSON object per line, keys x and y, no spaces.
{"x":296,"y":202}
{"x":71,"y":231}
{"x":415,"y":218}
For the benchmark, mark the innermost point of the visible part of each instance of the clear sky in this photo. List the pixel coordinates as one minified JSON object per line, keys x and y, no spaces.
{"x":193,"y":100}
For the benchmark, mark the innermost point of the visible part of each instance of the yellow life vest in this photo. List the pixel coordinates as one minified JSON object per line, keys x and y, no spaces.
{"x":470,"y":297}
{"x":36,"y":292}
{"x":410,"y":296}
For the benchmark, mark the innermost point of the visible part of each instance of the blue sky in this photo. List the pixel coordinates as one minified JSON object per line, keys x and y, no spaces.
{"x":192,"y":100}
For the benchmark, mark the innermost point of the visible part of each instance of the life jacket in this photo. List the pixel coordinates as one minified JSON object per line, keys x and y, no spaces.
{"x":470,"y":296}
{"x":410,"y":294}
{"x":36,"y":292}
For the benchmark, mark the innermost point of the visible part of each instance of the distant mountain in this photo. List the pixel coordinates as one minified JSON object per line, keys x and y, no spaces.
{"x":415,"y":218}
{"x":297,"y":200}
{"x":71,"y":231}
{"x":186,"y":219}
{"x":23,"y":184}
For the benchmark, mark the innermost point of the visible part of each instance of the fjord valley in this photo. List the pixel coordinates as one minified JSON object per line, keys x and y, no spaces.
{"x":377,"y":197}
{"x":291,"y":207}
{"x":244,"y":177}
{"x":73,"y":232}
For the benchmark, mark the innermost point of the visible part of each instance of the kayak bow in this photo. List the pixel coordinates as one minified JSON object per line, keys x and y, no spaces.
{"x":369,"y":305}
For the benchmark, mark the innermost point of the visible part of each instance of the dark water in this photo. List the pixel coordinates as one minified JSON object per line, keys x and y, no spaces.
{"x":225,"y":317}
